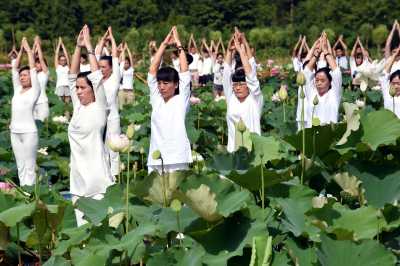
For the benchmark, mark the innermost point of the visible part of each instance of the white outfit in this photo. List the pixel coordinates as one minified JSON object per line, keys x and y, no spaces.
{"x":24,"y":137}
{"x":218,"y":71}
{"x":84,"y":68}
{"x":41,"y":110}
{"x":168,"y":130}
{"x":195,"y":63}
{"x":89,"y":171}
{"x":127,"y":77}
{"x":387,"y":99}
{"x":62,"y":85}
{"x":342,"y":62}
{"x":207,"y":66}
{"x":176,"y":64}
{"x":321,"y":63}
{"x":327,"y":109}
{"x":297,"y":64}
{"x":111,"y":86}
{"x":354,"y":67}
{"x":249,"y":110}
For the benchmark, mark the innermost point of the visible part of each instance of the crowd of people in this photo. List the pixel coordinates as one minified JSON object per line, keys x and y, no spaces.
{"x":98,"y":81}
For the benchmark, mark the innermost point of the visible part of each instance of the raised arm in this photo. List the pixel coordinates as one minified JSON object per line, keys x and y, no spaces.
{"x":65,"y":51}
{"x":300,"y":50}
{"x":391,"y":59}
{"x":229,"y":51}
{"x":316,"y":52}
{"x":100,"y":44}
{"x":296,"y":47}
{"x":184,"y":67}
{"x":75,"y":63}
{"x":114,"y":48}
{"x":353,"y":52}
{"x":389,"y":40}
{"x":327,"y":52}
{"x":38,"y":46}
{"x":240,"y":48}
{"x":57,"y":54}
{"x":129,"y":54}
{"x":155,"y":65}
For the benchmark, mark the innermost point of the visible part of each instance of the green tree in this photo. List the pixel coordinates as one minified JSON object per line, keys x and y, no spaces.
{"x":379,"y":35}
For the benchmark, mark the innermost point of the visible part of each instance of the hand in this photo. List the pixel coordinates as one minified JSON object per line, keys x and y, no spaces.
{"x":231,"y":44}
{"x":80,"y":40}
{"x":25,"y":45}
{"x":169,"y":39}
{"x":176,"y":36}
{"x":86,"y":38}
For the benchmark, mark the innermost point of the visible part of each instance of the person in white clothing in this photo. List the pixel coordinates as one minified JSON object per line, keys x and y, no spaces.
{"x":390,"y":46}
{"x":84,"y":65}
{"x":244,"y":98}
{"x":24,"y":136}
{"x":206,"y":69}
{"x":109,"y":66}
{"x":299,"y":53}
{"x":359,"y":57}
{"x":61,"y":64}
{"x":41,"y":111}
{"x":169,"y":98}
{"x":325,"y":84}
{"x":387,"y":80}
{"x":194,"y":66}
{"x":340,"y":52}
{"x":89,"y":171}
{"x":175,"y":60}
{"x":218,"y":70}
{"x":126,"y":94}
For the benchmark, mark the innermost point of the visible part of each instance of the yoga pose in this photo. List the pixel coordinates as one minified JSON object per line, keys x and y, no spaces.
{"x":61,"y":64}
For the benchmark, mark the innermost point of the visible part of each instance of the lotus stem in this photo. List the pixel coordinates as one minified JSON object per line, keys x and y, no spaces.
{"x":127,"y":195}
{"x":393,"y":106}
{"x":262,"y":183}
{"x":163,"y":182}
{"x":284,"y":111}
{"x":303,"y":140}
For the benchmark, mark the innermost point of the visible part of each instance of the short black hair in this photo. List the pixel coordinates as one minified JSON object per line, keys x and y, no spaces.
{"x":220,"y":54}
{"x":239,"y":75}
{"x":168,"y":74}
{"x":238,"y":61}
{"x":84,"y":56}
{"x":85,"y":76}
{"x":107,"y":58}
{"x":394,"y":75}
{"x":325,"y":70}
{"x":23,"y":69}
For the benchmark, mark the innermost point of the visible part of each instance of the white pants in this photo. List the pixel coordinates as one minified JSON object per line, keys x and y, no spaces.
{"x":78,"y":214}
{"x":25,"y":146}
{"x":169,"y":168}
{"x":113,"y":127}
{"x":41,"y":111}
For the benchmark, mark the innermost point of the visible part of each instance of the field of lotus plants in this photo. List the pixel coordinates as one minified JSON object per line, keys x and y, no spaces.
{"x":328,"y":197}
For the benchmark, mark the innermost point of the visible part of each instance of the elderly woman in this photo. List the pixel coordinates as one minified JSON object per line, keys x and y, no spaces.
{"x":169,"y":98}
{"x":242,"y":91}
{"x":90,"y":173}
{"x":325,"y":85}
{"x":24,"y":136}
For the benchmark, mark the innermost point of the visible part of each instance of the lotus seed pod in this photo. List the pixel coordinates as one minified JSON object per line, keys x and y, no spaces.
{"x":392,"y":91}
{"x":130,"y":131}
{"x":241,"y":126}
{"x":156,"y":155}
{"x":300,"y":79}
{"x":315,"y":101}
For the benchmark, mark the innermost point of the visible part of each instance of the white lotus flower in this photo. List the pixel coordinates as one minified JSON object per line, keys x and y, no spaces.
{"x":137,"y":127}
{"x":197,"y":156}
{"x":118,"y":143}
{"x":60,"y":119}
{"x":376,"y":88}
{"x":219,"y":98}
{"x":369,"y":73}
{"x":43,"y":151}
{"x":194,"y":100}
{"x":275,"y":97}
{"x":360,"y":103}
{"x":363,"y":85}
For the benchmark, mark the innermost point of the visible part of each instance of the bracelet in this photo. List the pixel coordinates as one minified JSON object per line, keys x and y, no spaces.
{"x":90,"y":52}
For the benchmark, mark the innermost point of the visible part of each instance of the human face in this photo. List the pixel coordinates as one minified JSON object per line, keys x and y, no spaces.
{"x":82,"y":60}
{"x":25,"y":79}
{"x":241,"y":90}
{"x":358,"y":50}
{"x":339,"y":52}
{"x":220,"y":59}
{"x":127,"y":65}
{"x":62,"y":61}
{"x":193,"y":50}
{"x":105,"y":68}
{"x":173,"y":56}
{"x":359,"y":60}
{"x":38,"y":66}
{"x":167,"y":89}
{"x":84,"y":91}
{"x":395,"y":83}
{"x":322,"y":83}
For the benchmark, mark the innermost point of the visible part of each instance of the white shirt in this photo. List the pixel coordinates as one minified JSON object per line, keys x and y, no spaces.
{"x":297,"y":64}
{"x":168,"y":130}
{"x":194,"y":65}
{"x":84,"y":68}
{"x":342,"y":62}
{"x":89,"y":171}
{"x":207,"y":66}
{"x":176,"y":64}
{"x":62,"y":75}
{"x":43,"y":79}
{"x":321,"y":63}
{"x":249,"y":110}
{"x":111,"y":86}
{"x":218,"y":70}
{"x":387,"y":99}
{"x":327,"y":109}
{"x":23,"y":103}
{"x":127,"y":77}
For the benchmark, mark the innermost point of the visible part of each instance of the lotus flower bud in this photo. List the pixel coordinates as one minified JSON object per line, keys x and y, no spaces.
{"x":241,"y":126}
{"x":156,"y":155}
{"x":302,"y":95}
{"x":176,"y":205}
{"x":141,"y":150}
{"x":118,"y":143}
{"x":283,"y":94}
{"x":392,"y":91}
{"x":316,"y":100}
{"x":122,"y":166}
{"x":300,"y":79}
{"x":130,"y":131}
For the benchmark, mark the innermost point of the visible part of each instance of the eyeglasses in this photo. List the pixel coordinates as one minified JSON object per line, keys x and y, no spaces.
{"x":237,"y":84}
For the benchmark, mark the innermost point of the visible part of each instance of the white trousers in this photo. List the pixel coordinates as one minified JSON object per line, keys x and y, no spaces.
{"x":169,"y":168}
{"x":78,"y":214}
{"x":113,"y":128}
{"x":24,"y":146}
{"x":41,"y":111}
